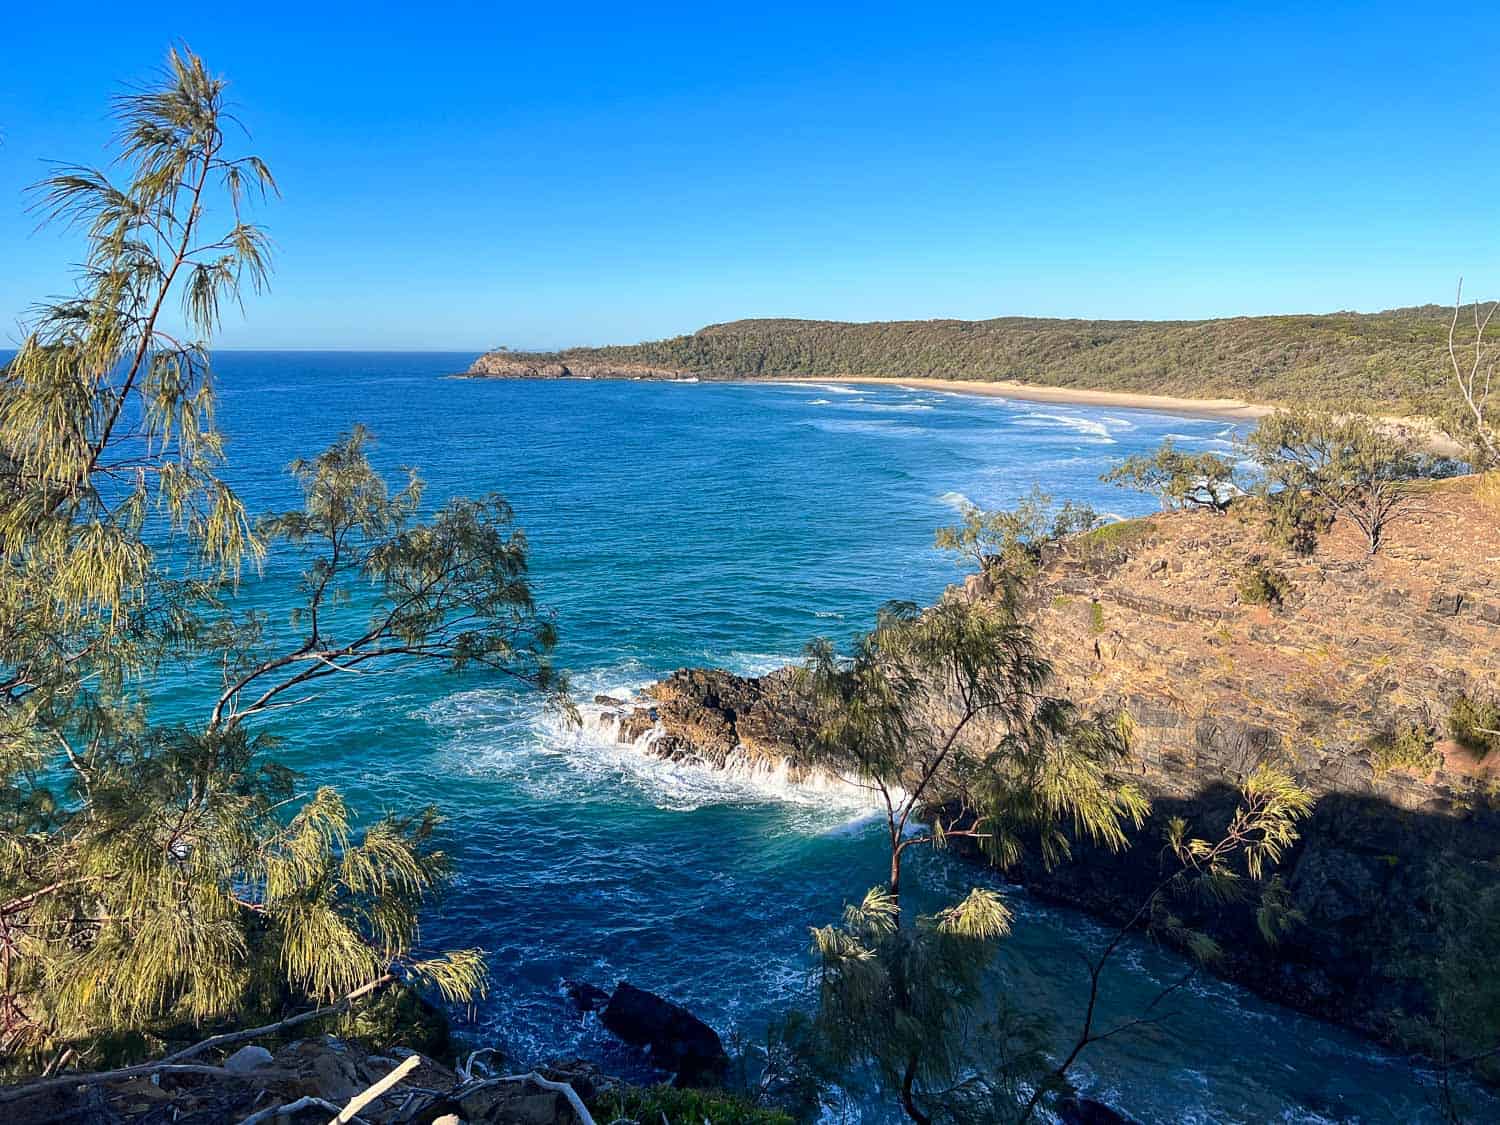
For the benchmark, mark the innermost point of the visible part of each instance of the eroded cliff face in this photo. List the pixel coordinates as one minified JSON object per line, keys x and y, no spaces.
{"x":1147,"y":615}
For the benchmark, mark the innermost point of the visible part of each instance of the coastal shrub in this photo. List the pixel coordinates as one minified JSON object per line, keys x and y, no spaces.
{"x":1110,"y":543}
{"x":1409,"y":745}
{"x":1009,"y":543}
{"x":668,"y":1105}
{"x":398,"y":1017}
{"x":1260,"y":585}
{"x":1177,"y":479}
{"x":1475,"y":724}
{"x":1294,"y":519}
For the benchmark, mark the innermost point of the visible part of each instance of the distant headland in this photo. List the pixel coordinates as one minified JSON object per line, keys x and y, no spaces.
{"x":1385,"y":362}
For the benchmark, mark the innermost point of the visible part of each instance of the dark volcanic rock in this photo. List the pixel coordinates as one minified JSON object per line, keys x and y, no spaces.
{"x":586,"y":997}
{"x":707,"y":714}
{"x":678,"y":1040}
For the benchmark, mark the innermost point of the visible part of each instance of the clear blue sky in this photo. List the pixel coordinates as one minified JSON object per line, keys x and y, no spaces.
{"x":546,"y":174}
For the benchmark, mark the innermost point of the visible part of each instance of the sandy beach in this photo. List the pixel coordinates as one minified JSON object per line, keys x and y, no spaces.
{"x":1426,"y":432}
{"x":1032,"y":392}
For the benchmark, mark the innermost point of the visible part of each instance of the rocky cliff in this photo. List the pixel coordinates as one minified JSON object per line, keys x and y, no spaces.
{"x":520,"y":365}
{"x":1156,"y":615}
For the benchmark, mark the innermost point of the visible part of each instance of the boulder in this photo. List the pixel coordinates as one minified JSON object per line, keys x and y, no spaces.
{"x":247,"y":1060}
{"x":676,"y":1039}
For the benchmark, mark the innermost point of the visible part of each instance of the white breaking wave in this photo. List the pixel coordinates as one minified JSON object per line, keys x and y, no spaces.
{"x":546,"y":755}
{"x":957,"y":501}
{"x":819,"y":402}
{"x":832,"y":388}
{"x":1091,"y":426}
{"x":892,"y":407}
{"x":1203,"y":441}
{"x":742,"y":774}
{"x":879,"y":427}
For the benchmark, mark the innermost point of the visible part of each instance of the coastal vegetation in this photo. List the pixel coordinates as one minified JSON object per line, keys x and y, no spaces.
{"x":1259,"y":584}
{"x":1179,"y":480}
{"x":1475,"y":724}
{"x":161,"y":873}
{"x":1334,"y":466}
{"x":1007,"y":544}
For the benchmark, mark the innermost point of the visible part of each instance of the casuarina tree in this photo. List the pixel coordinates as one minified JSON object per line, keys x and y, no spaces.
{"x":157,"y":875}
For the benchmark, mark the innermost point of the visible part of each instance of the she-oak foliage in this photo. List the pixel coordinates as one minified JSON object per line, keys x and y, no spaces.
{"x":154,"y":875}
{"x":944,"y":714}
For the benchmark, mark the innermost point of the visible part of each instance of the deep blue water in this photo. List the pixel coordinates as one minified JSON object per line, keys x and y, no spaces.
{"x":721,"y":524}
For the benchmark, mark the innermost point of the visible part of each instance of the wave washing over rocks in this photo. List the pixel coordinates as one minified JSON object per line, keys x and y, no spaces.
{"x":713,"y":720}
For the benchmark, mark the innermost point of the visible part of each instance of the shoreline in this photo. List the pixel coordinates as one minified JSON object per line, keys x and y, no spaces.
{"x":1230,"y":408}
{"x":1426,"y":432}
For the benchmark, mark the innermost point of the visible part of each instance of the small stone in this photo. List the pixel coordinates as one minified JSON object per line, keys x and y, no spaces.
{"x":247,"y":1059}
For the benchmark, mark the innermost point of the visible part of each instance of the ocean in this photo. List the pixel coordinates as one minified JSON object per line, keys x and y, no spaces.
{"x":722,"y":524}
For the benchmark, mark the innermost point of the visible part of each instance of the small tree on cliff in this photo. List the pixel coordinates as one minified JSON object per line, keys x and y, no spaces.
{"x":1231,"y":869}
{"x":158,"y":875}
{"x":1008,"y":543}
{"x":1349,"y":466}
{"x":903,"y":1004}
{"x":944,"y":714}
{"x":1179,"y":480}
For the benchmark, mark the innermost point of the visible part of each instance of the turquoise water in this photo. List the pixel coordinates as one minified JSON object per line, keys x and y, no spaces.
{"x":722,"y":524}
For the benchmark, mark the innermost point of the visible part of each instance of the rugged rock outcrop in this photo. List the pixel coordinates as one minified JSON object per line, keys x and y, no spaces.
{"x":1147,"y":616}
{"x":745,"y":725}
{"x":519,"y":365}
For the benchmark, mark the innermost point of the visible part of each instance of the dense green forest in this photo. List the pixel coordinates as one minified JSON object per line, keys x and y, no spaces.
{"x":1392,"y":361}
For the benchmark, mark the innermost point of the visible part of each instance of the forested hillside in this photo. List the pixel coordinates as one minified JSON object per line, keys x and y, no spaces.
{"x":1393,"y":361}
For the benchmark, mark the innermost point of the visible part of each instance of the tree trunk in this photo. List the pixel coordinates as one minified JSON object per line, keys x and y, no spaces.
{"x":908,"y":1100}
